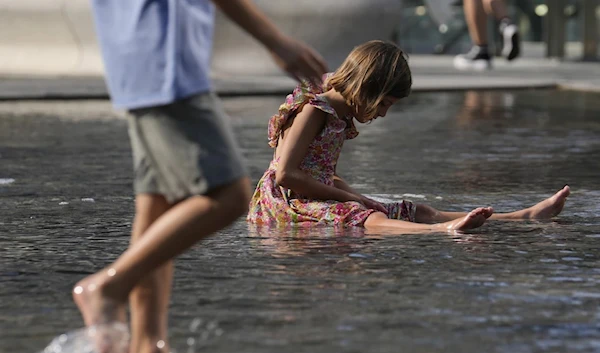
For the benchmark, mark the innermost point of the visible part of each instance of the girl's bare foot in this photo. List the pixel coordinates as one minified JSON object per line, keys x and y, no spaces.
{"x":474,"y":219}
{"x":550,"y":207}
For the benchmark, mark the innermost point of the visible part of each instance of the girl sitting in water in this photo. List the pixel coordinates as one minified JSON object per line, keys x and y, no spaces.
{"x":301,"y":185}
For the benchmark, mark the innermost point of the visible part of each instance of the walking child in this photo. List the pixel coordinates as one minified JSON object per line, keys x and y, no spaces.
{"x":189,"y":174}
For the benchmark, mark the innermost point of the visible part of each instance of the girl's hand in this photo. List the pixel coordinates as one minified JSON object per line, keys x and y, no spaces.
{"x":372,"y":204}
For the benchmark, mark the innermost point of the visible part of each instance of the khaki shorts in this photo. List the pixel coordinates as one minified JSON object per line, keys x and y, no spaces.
{"x":183,"y":149}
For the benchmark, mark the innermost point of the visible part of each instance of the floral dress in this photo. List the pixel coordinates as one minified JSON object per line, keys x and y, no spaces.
{"x":272,"y":204}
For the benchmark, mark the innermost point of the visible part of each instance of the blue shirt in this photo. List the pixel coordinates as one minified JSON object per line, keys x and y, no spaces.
{"x":155,"y":51}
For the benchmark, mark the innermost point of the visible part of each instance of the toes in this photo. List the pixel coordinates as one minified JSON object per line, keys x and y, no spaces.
{"x":564,"y":192}
{"x":488,"y":212}
{"x":476,"y":212}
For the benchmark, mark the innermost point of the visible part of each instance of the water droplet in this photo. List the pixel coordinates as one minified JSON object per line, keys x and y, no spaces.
{"x":63,"y":203}
{"x":195,"y":324}
{"x":88,"y":199}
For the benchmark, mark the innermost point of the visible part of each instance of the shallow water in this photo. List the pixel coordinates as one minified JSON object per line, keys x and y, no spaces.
{"x":66,"y":208}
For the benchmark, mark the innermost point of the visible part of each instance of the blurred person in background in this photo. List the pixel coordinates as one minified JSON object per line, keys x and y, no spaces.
{"x":476,"y":15}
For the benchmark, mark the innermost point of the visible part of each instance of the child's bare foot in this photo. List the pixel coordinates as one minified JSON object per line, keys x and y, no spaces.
{"x":474,"y":219}
{"x":548,"y":208}
{"x":94,"y":306}
{"x":98,"y":312}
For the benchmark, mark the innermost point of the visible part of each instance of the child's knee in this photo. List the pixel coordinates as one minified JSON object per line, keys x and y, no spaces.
{"x":424,"y":213}
{"x":374,"y":219}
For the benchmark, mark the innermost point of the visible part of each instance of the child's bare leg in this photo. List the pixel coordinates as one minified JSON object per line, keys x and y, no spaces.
{"x":476,"y":20}
{"x":548,"y":208}
{"x":149,"y":300}
{"x":100,"y":295}
{"x":470,"y":220}
{"x":496,"y":8}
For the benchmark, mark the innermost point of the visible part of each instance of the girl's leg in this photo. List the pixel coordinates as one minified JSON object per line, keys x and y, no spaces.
{"x":473,"y":219}
{"x":548,"y":208}
{"x":149,"y":300}
{"x":101,"y":295}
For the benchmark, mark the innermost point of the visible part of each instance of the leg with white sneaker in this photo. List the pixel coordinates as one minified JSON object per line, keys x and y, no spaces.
{"x":476,"y":14}
{"x":511,"y":46}
{"x":478,"y":58}
{"x":508,"y":30}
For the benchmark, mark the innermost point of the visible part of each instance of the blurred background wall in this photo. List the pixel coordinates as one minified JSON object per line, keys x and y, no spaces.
{"x":56,"y":37}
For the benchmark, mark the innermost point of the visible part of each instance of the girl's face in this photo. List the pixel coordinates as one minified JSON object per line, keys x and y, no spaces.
{"x":382,"y":109}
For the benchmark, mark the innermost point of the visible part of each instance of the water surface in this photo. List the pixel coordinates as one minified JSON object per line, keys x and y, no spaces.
{"x":66,"y":206}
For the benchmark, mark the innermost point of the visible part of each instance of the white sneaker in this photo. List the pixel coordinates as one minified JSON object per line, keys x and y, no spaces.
{"x":510,"y":42}
{"x":473,"y":60}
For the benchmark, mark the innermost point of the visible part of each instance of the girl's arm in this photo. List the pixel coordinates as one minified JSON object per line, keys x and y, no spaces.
{"x":369,"y":203}
{"x":341,"y":184}
{"x":306,"y":126}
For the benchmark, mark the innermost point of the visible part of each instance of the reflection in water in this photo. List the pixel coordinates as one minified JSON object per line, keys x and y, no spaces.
{"x":484,"y":106}
{"x":507,"y":287}
{"x":294,"y":240}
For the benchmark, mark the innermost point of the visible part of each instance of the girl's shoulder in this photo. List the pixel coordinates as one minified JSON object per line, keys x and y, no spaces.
{"x":307,"y":93}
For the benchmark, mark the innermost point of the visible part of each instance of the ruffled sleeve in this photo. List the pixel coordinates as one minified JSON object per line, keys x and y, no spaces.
{"x":304,"y":93}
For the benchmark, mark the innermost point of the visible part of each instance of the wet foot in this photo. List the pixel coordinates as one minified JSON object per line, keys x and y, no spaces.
{"x":474,"y":219}
{"x":550,"y":207}
{"x":95,"y":307}
{"x":99,"y":313}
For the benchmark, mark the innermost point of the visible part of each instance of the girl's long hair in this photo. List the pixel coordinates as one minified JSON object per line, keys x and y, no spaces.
{"x":372,"y":71}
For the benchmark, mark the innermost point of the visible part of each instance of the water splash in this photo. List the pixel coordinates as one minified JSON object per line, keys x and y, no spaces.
{"x":6,"y":181}
{"x":204,"y":332}
{"x":110,"y":338}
